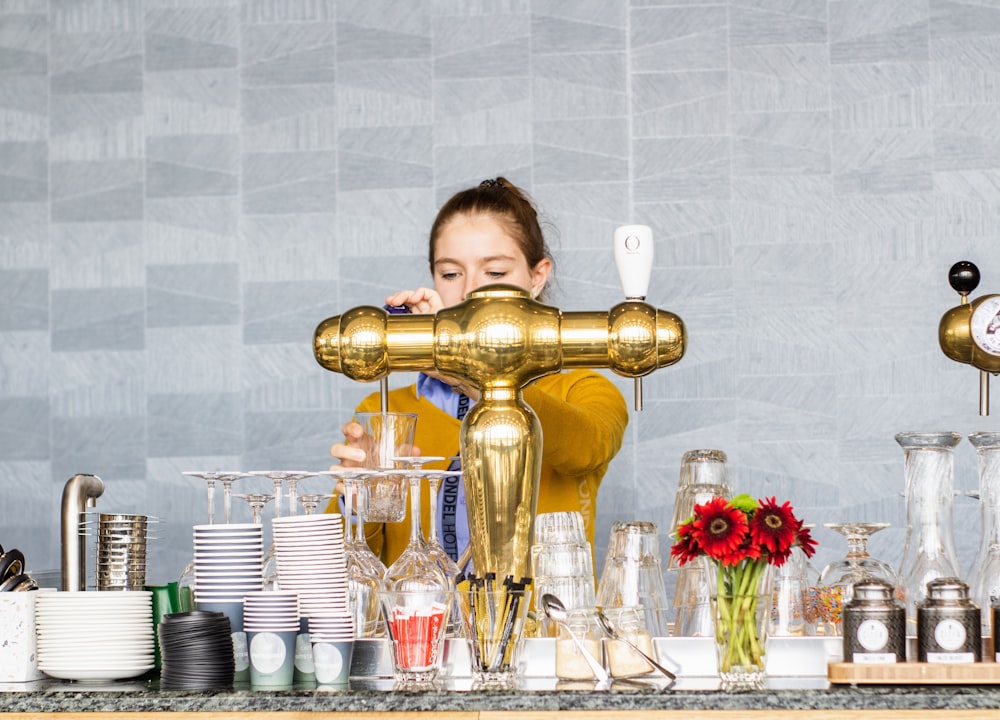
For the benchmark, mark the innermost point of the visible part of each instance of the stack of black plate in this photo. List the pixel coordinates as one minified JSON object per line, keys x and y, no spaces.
{"x":197,"y":651}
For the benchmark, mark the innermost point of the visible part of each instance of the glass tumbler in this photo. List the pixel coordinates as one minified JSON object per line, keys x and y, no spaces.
{"x":633,"y":574}
{"x":416,"y":621}
{"x":387,"y":436}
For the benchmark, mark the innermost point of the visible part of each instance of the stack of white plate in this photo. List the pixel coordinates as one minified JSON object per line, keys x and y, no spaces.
{"x":94,"y":636}
{"x":311,"y":561}
{"x":228,"y":562}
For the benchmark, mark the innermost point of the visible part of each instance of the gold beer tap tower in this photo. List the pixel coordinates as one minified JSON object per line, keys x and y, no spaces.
{"x":970,"y":332}
{"x":499,"y":340}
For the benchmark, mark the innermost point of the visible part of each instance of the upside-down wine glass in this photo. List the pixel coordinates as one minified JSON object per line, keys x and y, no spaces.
{"x":185,"y":583}
{"x":835,"y":587}
{"x":415,"y":569}
{"x":311,"y":501}
{"x":278,"y":478}
{"x":363,"y":576}
{"x":436,"y":550}
{"x":256,"y":501}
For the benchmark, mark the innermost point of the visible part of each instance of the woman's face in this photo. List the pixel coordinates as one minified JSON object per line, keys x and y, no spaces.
{"x":476,"y":250}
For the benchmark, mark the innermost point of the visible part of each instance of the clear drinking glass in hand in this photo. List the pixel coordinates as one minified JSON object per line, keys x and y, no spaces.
{"x":386,"y":436}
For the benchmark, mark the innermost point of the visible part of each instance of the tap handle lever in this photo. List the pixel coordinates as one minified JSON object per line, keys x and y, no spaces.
{"x":963,"y":278}
{"x":634,"y":258}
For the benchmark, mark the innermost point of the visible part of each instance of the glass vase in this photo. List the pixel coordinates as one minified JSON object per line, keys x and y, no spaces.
{"x":742,"y":605}
{"x":929,"y":550}
{"x":984,"y":575}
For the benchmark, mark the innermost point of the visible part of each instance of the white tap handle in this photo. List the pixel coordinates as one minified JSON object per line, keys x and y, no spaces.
{"x":634,"y":258}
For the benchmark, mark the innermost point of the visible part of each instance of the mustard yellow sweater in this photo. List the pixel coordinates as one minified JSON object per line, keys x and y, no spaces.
{"x":583,"y":417}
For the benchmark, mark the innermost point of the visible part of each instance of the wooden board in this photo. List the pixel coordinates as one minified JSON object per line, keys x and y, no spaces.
{"x":983,"y":673}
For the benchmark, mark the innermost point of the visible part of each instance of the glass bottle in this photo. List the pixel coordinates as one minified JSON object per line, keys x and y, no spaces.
{"x":929,"y":551}
{"x":984,"y":575}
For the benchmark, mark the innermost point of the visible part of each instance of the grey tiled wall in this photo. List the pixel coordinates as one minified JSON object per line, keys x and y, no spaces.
{"x":187,"y":187}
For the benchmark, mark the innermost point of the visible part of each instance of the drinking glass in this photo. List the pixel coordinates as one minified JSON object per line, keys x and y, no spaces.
{"x":311,"y":501}
{"x":256,"y":501}
{"x":415,"y":569}
{"x":416,"y":621}
{"x":835,"y":587}
{"x":791,"y":614}
{"x":210,"y":477}
{"x":702,"y":467}
{"x":632,"y":575}
{"x":436,"y":550}
{"x":279,"y":478}
{"x":432,"y":544}
{"x":364,"y":569}
{"x":386,"y":436}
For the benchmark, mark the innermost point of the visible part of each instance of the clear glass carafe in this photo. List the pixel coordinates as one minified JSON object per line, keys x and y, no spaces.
{"x":984,"y":575}
{"x":929,"y":551}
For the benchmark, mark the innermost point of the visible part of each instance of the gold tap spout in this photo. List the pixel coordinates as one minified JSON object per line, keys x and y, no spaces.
{"x":499,"y":339}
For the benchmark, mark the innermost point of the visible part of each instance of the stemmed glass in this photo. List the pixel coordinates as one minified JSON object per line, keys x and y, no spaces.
{"x":311,"y":501}
{"x":364,"y":569}
{"x":279,"y":478}
{"x":415,"y":569}
{"x":436,"y":550}
{"x":434,"y":547}
{"x":256,"y":501}
{"x":835,"y":587}
{"x":210,"y":478}
{"x":186,"y":580}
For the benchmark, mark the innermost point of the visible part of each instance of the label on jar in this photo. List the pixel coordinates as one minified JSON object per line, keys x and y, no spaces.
{"x":937,"y":657}
{"x":950,"y":635}
{"x":873,"y":658}
{"x":872,"y":635}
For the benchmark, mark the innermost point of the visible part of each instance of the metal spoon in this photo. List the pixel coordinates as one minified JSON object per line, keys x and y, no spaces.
{"x":556,"y":611}
{"x":613,"y":633}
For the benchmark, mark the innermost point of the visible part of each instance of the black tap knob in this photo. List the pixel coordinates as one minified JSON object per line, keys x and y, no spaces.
{"x":963,"y":277}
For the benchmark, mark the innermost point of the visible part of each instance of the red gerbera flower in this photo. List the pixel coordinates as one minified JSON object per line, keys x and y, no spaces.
{"x":804,"y":540}
{"x":685,"y":549}
{"x":774,"y":528}
{"x":719,"y":529}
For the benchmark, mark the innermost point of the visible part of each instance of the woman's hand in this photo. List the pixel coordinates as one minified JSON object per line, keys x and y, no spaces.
{"x":421,"y":301}
{"x":348,"y":452}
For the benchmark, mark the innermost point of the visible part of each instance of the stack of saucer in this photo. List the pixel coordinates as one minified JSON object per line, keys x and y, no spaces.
{"x":311,"y":561}
{"x":94,"y":636}
{"x":228,"y":563}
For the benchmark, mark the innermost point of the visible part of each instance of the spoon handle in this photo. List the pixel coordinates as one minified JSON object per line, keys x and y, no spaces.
{"x":600,"y":672}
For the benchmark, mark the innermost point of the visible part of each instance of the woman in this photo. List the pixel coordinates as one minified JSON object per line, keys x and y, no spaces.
{"x":483,"y":235}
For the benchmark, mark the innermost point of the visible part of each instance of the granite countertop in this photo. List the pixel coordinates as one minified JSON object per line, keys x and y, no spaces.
{"x":372,"y":695}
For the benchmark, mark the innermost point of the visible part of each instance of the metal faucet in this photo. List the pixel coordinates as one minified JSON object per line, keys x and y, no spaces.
{"x":81,"y":492}
{"x":499,"y":339}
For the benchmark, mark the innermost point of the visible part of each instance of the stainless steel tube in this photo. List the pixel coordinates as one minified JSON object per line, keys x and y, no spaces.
{"x":81,"y":492}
